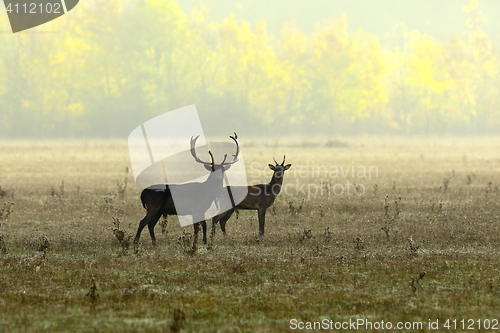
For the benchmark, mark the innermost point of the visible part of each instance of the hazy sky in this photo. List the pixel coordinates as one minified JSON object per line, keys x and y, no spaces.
{"x":439,"y":18}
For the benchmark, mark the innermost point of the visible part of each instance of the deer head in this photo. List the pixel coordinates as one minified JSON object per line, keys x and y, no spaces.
{"x":279,"y":169}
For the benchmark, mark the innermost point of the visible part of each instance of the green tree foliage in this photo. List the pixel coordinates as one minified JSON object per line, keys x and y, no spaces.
{"x":110,"y":65}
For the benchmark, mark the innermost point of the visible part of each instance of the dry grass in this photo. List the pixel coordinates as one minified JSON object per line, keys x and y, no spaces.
{"x":421,"y":243}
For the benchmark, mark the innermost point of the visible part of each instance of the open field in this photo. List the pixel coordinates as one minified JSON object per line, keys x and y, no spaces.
{"x":324,"y":255}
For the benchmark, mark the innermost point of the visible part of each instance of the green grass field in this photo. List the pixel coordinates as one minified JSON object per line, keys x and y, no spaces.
{"x":420,"y":244}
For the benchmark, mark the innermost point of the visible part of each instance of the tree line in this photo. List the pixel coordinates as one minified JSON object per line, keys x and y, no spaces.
{"x":108,"y":66}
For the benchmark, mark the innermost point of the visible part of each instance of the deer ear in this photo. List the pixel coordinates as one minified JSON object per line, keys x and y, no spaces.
{"x":271,"y":167}
{"x":208,"y":167}
{"x":287,"y":167}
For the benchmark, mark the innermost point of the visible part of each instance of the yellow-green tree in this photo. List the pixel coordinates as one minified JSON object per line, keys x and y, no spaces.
{"x":483,"y":72}
{"x":112,"y":64}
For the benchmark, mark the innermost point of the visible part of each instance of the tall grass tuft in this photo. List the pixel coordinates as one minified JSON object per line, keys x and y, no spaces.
{"x":93,"y":294}
{"x":446,"y":182}
{"x":54,"y":193}
{"x":398,"y":205}
{"x":178,"y":322}
{"x":3,"y":246}
{"x":121,"y":236}
{"x":163,"y":224}
{"x":295,"y":210}
{"x":6,"y":210}
{"x":412,"y":247}
{"x":414,"y":282}
{"x":44,"y":244}
{"x":3,"y":193}
{"x":121,"y":187}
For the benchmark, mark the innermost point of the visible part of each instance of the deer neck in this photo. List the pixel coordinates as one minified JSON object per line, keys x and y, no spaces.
{"x":215,"y":181}
{"x":276,"y":183}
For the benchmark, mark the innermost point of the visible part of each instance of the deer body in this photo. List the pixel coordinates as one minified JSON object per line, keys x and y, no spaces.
{"x":196,"y":198}
{"x":260,"y":197}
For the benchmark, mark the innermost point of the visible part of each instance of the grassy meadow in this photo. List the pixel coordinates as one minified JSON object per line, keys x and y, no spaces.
{"x":415,"y":237}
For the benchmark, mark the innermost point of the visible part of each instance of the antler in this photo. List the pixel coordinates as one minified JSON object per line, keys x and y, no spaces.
{"x":212,"y":158}
{"x":196,"y":158}
{"x":235,"y":156}
{"x":282,"y":163}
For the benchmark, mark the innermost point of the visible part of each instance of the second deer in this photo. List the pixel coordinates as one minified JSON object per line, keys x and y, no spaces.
{"x":260,"y":197}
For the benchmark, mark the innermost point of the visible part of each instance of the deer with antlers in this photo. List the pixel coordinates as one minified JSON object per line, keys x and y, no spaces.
{"x":198,"y":197}
{"x":260,"y":198}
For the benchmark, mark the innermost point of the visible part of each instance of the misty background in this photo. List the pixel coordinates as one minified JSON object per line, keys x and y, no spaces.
{"x":321,"y":68}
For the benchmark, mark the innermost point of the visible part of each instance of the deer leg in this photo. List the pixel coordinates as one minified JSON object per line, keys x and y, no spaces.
{"x":215,"y":219}
{"x":214,"y":222}
{"x":262,"y":221}
{"x":150,"y":218}
{"x":224,"y":219}
{"x":196,"y":227}
{"x":151,"y":227}
{"x":204,"y":226}
{"x":142,"y":224}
